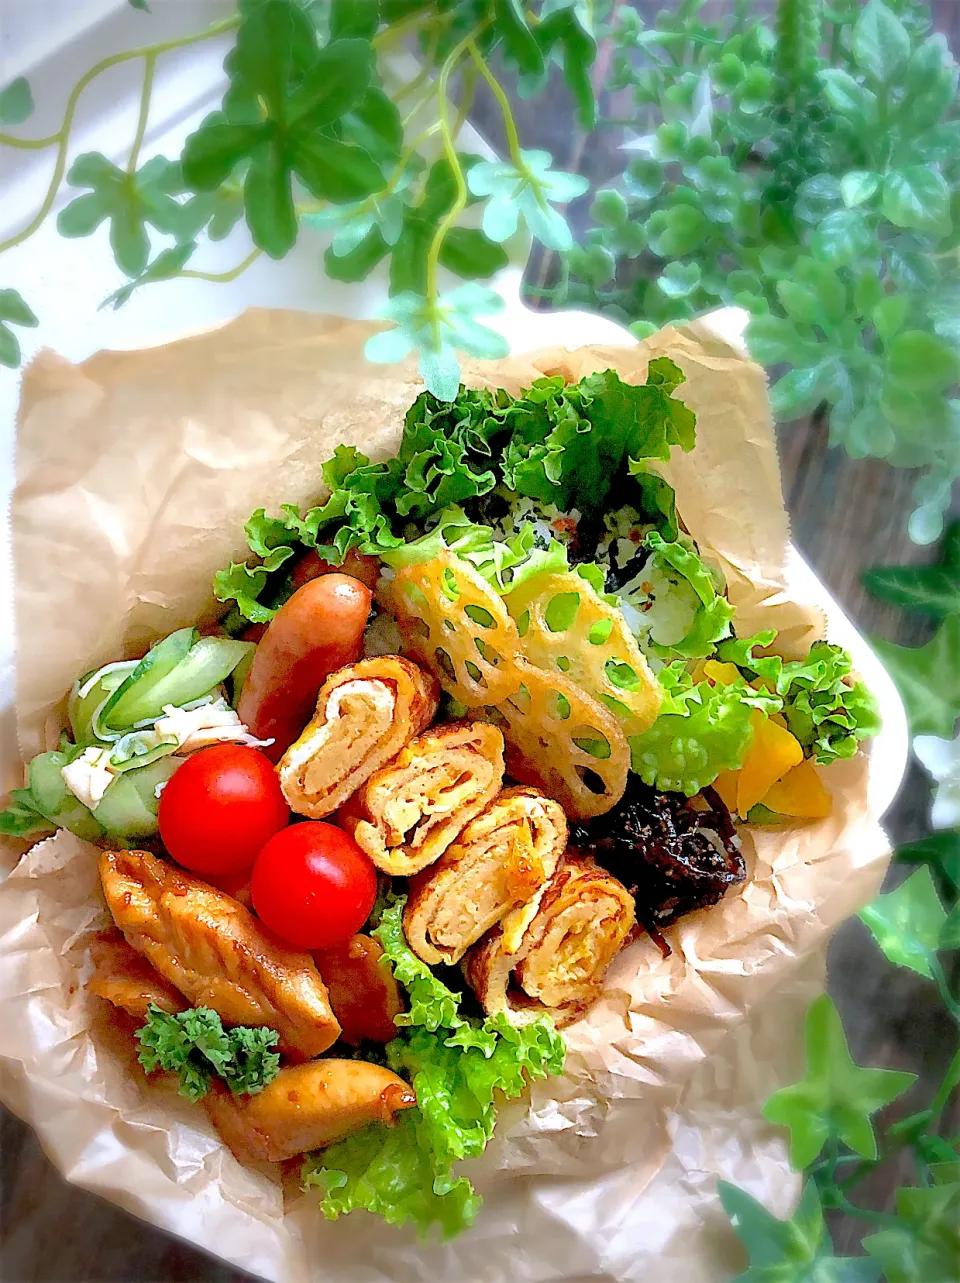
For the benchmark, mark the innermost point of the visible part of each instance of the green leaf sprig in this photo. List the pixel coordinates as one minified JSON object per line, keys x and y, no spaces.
{"x":194,"y":1045}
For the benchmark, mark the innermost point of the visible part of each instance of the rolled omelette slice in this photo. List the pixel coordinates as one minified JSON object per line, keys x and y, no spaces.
{"x":306,"y":1107}
{"x":490,"y":874}
{"x":216,"y":953}
{"x":409,"y":812}
{"x":583,"y":919}
{"x":365,"y":715}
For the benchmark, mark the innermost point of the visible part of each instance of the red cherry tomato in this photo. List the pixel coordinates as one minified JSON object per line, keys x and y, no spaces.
{"x":313,"y":885}
{"x":219,"y":809}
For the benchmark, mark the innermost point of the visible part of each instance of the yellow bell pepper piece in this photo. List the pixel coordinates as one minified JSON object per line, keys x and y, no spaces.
{"x":773,"y":752}
{"x":726,"y":786}
{"x":719,"y":673}
{"x":801,"y":793}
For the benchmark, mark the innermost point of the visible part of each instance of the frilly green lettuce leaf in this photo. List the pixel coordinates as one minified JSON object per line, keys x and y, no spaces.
{"x":827,"y":711}
{"x":702,"y":730}
{"x":457,"y":1066}
{"x":569,"y":443}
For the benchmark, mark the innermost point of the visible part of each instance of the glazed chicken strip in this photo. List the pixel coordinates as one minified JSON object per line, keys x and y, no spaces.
{"x":306,"y":1107}
{"x":409,"y":812}
{"x":216,"y":952}
{"x":491,"y":874}
{"x":364,"y":995}
{"x":125,"y":978}
{"x":365,"y":715}
{"x":584,"y":918}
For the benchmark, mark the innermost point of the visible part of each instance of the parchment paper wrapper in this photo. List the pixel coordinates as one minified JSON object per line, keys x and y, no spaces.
{"x":136,"y":472}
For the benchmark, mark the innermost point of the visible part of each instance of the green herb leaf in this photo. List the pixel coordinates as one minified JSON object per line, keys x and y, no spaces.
{"x":439,"y":330}
{"x":130,"y":202}
{"x":286,"y":100}
{"x":881,"y":44}
{"x":916,"y":196}
{"x":927,"y":1246}
{"x":168,"y":264}
{"x":836,"y":1097}
{"x":797,"y":1250}
{"x":928,"y":679}
{"x":354,"y":18}
{"x":907,"y":923}
{"x":16,"y":102}
{"x":13,"y":311}
{"x":528,"y":192}
{"x":194,"y":1045}
{"x":933,"y":589}
{"x":941,"y":852}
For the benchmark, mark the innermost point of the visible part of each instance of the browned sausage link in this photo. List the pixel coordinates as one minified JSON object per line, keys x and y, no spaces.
{"x":318,"y":630}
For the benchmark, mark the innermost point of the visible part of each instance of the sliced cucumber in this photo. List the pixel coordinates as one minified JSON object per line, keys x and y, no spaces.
{"x":139,"y":748}
{"x":123,"y":708}
{"x":54,"y":800}
{"x":90,"y":694}
{"x":239,"y":675}
{"x":128,"y":809}
{"x":210,"y":662}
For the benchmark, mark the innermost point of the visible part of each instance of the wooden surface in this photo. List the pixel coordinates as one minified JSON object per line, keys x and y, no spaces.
{"x":846,"y":516}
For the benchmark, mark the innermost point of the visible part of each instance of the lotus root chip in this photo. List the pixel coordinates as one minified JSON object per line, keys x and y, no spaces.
{"x":563,"y":742}
{"x":569,"y":630}
{"x":453,"y":622}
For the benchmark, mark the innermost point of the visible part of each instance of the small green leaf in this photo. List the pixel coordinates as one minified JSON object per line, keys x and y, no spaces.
{"x":13,"y":311}
{"x":836,"y":1097}
{"x":168,"y":264}
{"x":933,"y":589}
{"x":922,"y":362}
{"x":592,"y":263}
{"x":679,"y":280}
{"x":881,"y":43}
{"x":867,"y":292}
{"x":907,"y":923}
{"x":800,"y":303}
{"x":773,"y":339}
{"x":950,"y":935}
{"x":644,"y":177}
{"x":925,"y":1247}
{"x":139,"y":4}
{"x":130,"y":202}
{"x":472,"y":255}
{"x":519,"y":43}
{"x":609,"y":208}
{"x":16,"y":102}
{"x":889,"y":315}
{"x":928,"y":679}
{"x":941,"y":852}
{"x":354,"y":18}
{"x":799,"y":392}
{"x":268,"y":201}
{"x":916,"y":196}
{"x":847,"y":97}
{"x":842,"y":238}
{"x":676,"y":232}
{"x":797,"y":1250}
{"x":642,"y":329}
{"x":858,"y":186}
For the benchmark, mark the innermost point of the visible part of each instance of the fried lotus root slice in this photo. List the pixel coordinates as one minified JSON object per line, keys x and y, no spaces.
{"x":452,"y":621}
{"x":306,"y":1107}
{"x":216,"y":953}
{"x":125,"y":978}
{"x":363,"y":992}
{"x":365,"y":714}
{"x":585,"y":916}
{"x":563,"y":742}
{"x":566,"y":628}
{"x":408,"y":812}
{"x":493,"y":870}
